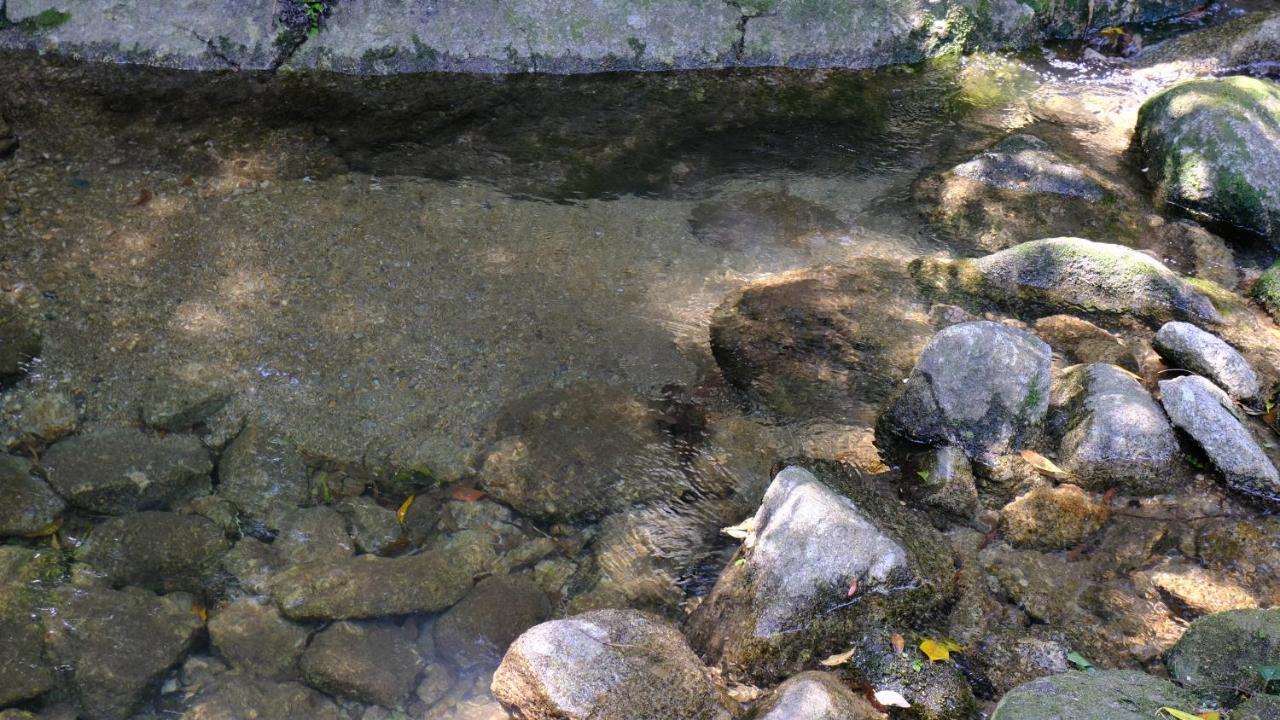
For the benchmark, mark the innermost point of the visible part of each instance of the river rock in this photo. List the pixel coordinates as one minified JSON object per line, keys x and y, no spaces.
{"x":1183,"y":345}
{"x":826,"y":343}
{"x":936,"y":691}
{"x":117,"y":470}
{"x":1052,"y":518}
{"x":788,"y":600}
{"x":816,"y":696}
{"x":980,"y":385}
{"x":237,"y":695}
{"x":1266,"y":289}
{"x":1070,"y":274}
{"x":585,"y":667}
{"x":1112,"y":433}
{"x":25,"y":673}
{"x":119,"y":644}
{"x":29,"y":505}
{"x":36,"y":416}
{"x":264,"y":476}
{"x":586,"y":449}
{"x":1209,"y":148}
{"x":161,"y":551}
{"x":1080,"y":341}
{"x":179,"y":401}
{"x":1190,"y":591}
{"x":367,"y":586}
{"x":1205,"y":412}
{"x":1238,"y":46}
{"x":478,"y":630}
{"x":372,"y":527}
{"x":373,"y":662}
{"x":312,"y":534}
{"x":1103,"y":695}
{"x":1258,"y":707}
{"x":253,"y":636}
{"x":19,"y":343}
{"x":1220,"y":654}
{"x":943,"y":480}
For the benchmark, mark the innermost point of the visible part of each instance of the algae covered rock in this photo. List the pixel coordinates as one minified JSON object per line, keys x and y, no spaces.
{"x":29,"y":505}
{"x":1052,"y":518}
{"x":981,"y":386}
{"x":607,"y":664}
{"x":161,"y":551}
{"x":1104,"y":695}
{"x":1112,"y":433}
{"x":367,"y":586}
{"x":253,"y":636}
{"x":1183,"y":345}
{"x":788,"y":601}
{"x":1070,"y":274}
{"x":1220,"y":654}
{"x":263,"y":475}
{"x":1209,"y":148}
{"x":1258,"y":707}
{"x":815,"y":696}
{"x":373,"y":662}
{"x":1239,"y":45}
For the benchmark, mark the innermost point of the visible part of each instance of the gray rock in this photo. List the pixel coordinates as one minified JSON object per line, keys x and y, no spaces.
{"x":372,"y":527}
{"x":1209,"y":148}
{"x":29,"y":505}
{"x":586,"y":667}
{"x":177,"y":402}
{"x":1104,"y":695}
{"x":1245,"y":44}
{"x":120,"y":643}
{"x":1112,"y":433}
{"x":25,"y":672}
{"x":1070,"y":275}
{"x":160,"y":551}
{"x":936,"y":691}
{"x":1258,"y":707}
{"x":815,"y":696}
{"x":254,"y":637}
{"x":478,"y":630}
{"x":788,"y":600}
{"x":35,"y":416}
{"x":19,"y":343}
{"x":236,"y":695}
{"x":263,"y":475}
{"x":1220,"y":654}
{"x":368,"y":586}
{"x":311,"y":535}
{"x":371,"y":662}
{"x":981,"y":386}
{"x":1026,"y":164}
{"x":1183,"y":345}
{"x":117,"y":470}
{"x":944,"y":480}
{"x":1198,"y":407}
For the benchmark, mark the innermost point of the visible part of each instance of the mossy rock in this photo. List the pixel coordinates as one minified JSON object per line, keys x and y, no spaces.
{"x":1209,"y":148}
{"x":1267,"y":290}
{"x":1220,"y":654}
{"x":1106,"y":695}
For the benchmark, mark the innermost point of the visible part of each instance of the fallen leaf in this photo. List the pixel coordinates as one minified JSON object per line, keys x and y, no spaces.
{"x":837,"y":659}
{"x":899,"y":643}
{"x":853,"y":588}
{"x":404,"y":508}
{"x":745,"y":693}
{"x":924,"y":474}
{"x":1179,"y":714}
{"x":1111,"y":32}
{"x":1210,"y":715}
{"x":1042,"y":464}
{"x":1079,"y":661}
{"x":740,"y":562}
{"x":465,"y":494}
{"x":935,"y":650}
{"x":891,"y":698}
{"x":742,"y":529}
{"x":201,"y":612}
{"x":143,"y":198}
{"x":1108,"y":496}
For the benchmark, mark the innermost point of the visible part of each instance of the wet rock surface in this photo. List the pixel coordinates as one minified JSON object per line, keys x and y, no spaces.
{"x":1198,"y":407}
{"x":1258,"y":707}
{"x":372,"y":662}
{"x":1052,"y":518}
{"x":29,"y":504}
{"x":1209,"y":149}
{"x":478,"y":630}
{"x":263,"y":475}
{"x":1185,"y":346}
{"x":980,"y":385}
{"x":115,"y":470}
{"x":19,"y":342}
{"x":1106,"y":695}
{"x":1113,"y":434}
{"x":253,"y":636}
{"x":233,"y":695}
{"x":586,"y":667}
{"x":367,"y":586}
{"x":815,"y":696}
{"x":161,"y":551}
{"x":1220,"y":654}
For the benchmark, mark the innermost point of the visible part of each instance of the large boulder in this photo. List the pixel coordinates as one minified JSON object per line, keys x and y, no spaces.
{"x":980,"y":385}
{"x":263,"y":475}
{"x":373,"y":662}
{"x":1204,"y":412}
{"x":1112,"y":434}
{"x":161,"y":551}
{"x":1104,"y":695}
{"x":788,"y":600}
{"x":119,"y":643}
{"x":587,"y":667}
{"x":1220,"y":654}
{"x":253,"y":636}
{"x":29,"y":505}
{"x":367,"y":586}
{"x":1183,"y":345}
{"x":1072,"y":275}
{"x":830,"y":342}
{"x":1233,"y":47}
{"x":477,"y":631}
{"x":816,"y":696}
{"x":1209,"y":148}
{"x":117,"y":470}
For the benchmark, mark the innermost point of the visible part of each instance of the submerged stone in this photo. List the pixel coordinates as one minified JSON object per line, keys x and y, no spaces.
{"x":788,"y":600}
{"x":117,"y":470}
{"x":1083,"y":342}
{"x":367,"y":586}
{"x":1258,"y":707}
{"x":161,"y":551}
{"x":1052,"y":518}
{"x":264,"y":476}
{"x":178,"y":401}
{"x":585,"y":668}
{"x":478,"y":630}
{"x":981,"y":386}
{"x":19,"y":343}
{"x":373,"y":662}
{"x":253,"y":636}
{"x":1205,"y":412}
{"x":1183,"y":345}
{"x":1220,"y":654}
{"x":1102,"y":695}
{"x":25,"y":671}
{"x":816,"y":696}
{"x":1209,"y":148}
{"x":238,"y":695}
{"x":29,"y":505}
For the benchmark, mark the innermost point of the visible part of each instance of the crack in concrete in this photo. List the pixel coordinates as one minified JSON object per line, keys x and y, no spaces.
{"x":739,"y":46}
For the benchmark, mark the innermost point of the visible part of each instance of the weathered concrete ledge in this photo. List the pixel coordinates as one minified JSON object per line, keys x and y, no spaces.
{"x":378,"y":37}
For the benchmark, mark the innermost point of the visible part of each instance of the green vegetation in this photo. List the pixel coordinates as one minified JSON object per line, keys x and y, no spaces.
{"x":46,"y":20}
{"x":315,"y":13}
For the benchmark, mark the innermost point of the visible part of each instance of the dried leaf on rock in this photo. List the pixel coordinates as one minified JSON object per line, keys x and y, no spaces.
{"x":837,"y":659}
{"x":899,"y":643}
{"x":465,"y":494}
{"x":1178,"y":714}
{"x":891,"y":698}
{"x":404,"y":508}
{"x":1043,"y":465}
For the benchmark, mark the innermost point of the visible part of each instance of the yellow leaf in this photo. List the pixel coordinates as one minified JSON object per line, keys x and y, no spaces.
{"x":1042,"y":464}
{"x":404,"y":508}
{"x":837,"y":659}
{"x":1112,"y":32}
{"x":1210,"y":715}
{"x":1178,"y":714}
{"x":935,"y":651}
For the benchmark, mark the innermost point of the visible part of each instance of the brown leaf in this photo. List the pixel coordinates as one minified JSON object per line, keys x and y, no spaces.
{"x":461,"y":493}
{"x":144,"y":197}
{"x":1043,"y":465}
{"x":899,"y":643}
{"x":837,"y":659}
